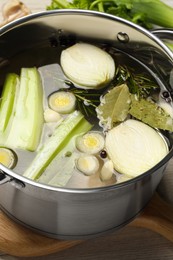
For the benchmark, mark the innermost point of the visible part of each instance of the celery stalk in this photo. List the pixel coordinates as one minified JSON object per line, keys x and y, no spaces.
{"x":156,"y":11}
{"x":71,"y":126}
{"x":8,"y":99}
{"x":143,"y":12}
{"x":27,"y":124}
{"x":61,"y":169}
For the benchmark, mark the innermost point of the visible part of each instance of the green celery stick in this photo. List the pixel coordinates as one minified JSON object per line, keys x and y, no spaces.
{"x":60,"y":138}
{"x":7,"y":100}
{"x":59,"y":176}
{"x":28,"y":120}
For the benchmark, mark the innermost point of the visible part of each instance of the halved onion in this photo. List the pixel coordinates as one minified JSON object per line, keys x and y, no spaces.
{"x":135,"y":147}
{"x":87,"y":65}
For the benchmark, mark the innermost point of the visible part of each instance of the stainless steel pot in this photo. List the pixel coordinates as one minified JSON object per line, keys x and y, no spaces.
{"x":78,"y":213}
{"x":166,"y":185}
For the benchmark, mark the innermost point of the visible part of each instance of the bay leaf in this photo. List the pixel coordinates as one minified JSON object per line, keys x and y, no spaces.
{"x":150,"y":113}
{"x":114,"y":106}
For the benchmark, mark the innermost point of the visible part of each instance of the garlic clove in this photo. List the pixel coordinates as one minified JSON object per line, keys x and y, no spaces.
{"x":107,"y":171}
{"x":12,"y":10}
{"x":51,"y":116}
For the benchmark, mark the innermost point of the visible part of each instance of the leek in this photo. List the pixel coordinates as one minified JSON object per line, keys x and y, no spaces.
{"x":70,"y":127}
{"x":142,"y":12}
{"x":27,"y":124}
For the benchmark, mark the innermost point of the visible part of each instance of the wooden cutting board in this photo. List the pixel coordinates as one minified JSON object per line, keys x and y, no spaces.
{"x":19,"y":241}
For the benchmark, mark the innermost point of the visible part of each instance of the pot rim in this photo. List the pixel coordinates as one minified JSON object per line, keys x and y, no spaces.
{"x":31,"y":17}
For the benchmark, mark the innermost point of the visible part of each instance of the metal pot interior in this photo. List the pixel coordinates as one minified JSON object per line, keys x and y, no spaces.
{"x":38,"y":40}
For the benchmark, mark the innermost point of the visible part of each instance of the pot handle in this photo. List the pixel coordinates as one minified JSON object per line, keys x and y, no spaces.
{"x":4,"y":178}
{"x":163,"y":33}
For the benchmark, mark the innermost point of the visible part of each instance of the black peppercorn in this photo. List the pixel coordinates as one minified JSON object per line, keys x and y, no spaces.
{"x":165,"y":94}
{"x":103,"y":154}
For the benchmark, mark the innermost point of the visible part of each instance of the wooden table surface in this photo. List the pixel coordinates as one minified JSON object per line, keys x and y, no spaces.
{"x":129,"y":243}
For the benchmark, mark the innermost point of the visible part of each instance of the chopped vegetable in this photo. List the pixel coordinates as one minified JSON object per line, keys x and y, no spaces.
{"x":51,"y":116}
{"x":114,"y":106}
{"x":73,"y":125}
{"x":90,"y":143}
{"x":7,"y":157}
{"x":142,"y":12}
{"x":7,"y":101}
{"x":62,"y":102}
{"x":107,"y":171}
{"x":87,"y":164}
{"x":150,"y":113}
{"x":135,"y":147}
{"x":87,"y":65}
{"x":60,"y":170}
{"x":27,"y":124}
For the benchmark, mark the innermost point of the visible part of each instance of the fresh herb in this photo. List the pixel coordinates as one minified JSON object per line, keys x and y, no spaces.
{"x":87,"y":100}
{"x":143,"y":12}
{"x":138,"y":84}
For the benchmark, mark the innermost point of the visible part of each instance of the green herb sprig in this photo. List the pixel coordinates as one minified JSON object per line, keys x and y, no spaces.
{"x":87,"y":99}
{"x":138,"y":84}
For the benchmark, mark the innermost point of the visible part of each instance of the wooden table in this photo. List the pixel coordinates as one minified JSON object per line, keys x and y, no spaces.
{"x":129,"y":243}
